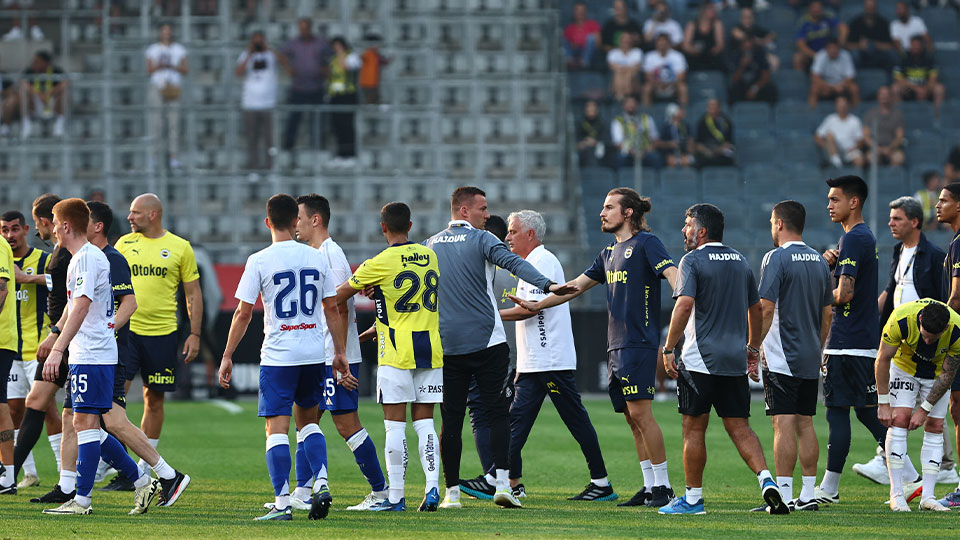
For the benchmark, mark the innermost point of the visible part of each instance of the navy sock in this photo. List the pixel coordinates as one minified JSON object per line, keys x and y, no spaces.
{"x":304,"y":472}
{"x":315,"y":448}
{"x":868,"y":417}
{"x":88,"y":458}
{"x":278,"y":463}
{"x":365,"y":454}
{"x":116,"y":455}
{"x":838,"y":442}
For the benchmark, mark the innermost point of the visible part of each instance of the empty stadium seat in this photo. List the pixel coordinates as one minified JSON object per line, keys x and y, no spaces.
{"x":870,"y":80}
{"x":704,"y":85}
{"x":675,"y":183}
{"x":918,"y":115}
{"x":587,"y":85}
{"x":923,"y":147}
{"x":755,"y":149}
{"x":721,"y":182}
{"x":795,"y":116}
{"x":791,"y":85}
{"x":749,"y":115}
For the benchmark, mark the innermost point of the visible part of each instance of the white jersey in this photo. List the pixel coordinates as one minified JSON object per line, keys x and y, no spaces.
{"x":292,"y":279}
{"x":167,"y":59}
{"x":341,"y":272}
{"x":545,"y":341}
{"x":88,"y":274}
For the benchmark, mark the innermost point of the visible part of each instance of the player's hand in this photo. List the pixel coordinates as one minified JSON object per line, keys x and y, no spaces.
{"x":51,"y":367}
{"x":831,"y":256}
{"x":670,"y":365}
{"x":566,"y":288}
{"x":525,"y":304}
{"x":369,"y":292}
{"x":753,"y":366}
{"x":884,"y":414}
{"x":191,"y":348}
{"x":368,"y":334}
{"x":43,"y":350}
{"x":342,"y":369}
{"x":226,"y":370}
{"x":918,"y":419}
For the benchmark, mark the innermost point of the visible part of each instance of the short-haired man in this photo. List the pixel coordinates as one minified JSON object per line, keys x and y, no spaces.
{"x":717,"y":307}
{"x":468,"y":257}
{"x":918,"y":358}
{"x":159,"y":262}
{"x":631,"y":267}
{"x":796,"y":299}
{"x":313,"y":222}
{"x":406,"y":283}
{"x":291,"y":279}
{"x":547,"y":361}
{"x":840,"y":136}
{"x":948,"y":211}
{"x":854,"y":331}
{"x":34,"y":325}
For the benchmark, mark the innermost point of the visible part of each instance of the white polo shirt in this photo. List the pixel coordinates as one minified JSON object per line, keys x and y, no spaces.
{"x":545,"y":341}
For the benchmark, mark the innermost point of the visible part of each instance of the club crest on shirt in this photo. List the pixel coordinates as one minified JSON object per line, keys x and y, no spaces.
{"x":28,"y":271}
{"x":79,"y":281}
{"x":628,"y":252}
{"x":165,"y":253}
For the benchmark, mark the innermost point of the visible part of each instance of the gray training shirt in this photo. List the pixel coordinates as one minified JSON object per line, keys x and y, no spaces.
{"x":469,"y":308}
{"x":720,"y":281}
{"x":798,"y":281}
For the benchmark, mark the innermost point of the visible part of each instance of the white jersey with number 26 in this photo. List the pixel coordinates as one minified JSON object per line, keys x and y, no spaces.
{"x":292,"y":279}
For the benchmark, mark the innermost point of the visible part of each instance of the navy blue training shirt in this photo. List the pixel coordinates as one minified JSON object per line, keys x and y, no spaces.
{"x":856,"y":324}
{"x":122,"y":286}
{"x":951,"y":266}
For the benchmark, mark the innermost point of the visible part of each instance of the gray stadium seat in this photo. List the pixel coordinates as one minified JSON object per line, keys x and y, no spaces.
{"x":721,"y":182}
{"x":748,"y":115}
{"x":941,"y":23}
{"x":891,"y":183}
{"x":791,"y":85}
{"x":795,"y":116}
{"x":587,"y":85}
{"x":678,"y":183}
{"x":924,"y":147}
{"x":870,"y":80}
{"x":918,"y":115}
{"x":797,"y":148}
{"x":755,"y":149}
{"x":704,"y":85}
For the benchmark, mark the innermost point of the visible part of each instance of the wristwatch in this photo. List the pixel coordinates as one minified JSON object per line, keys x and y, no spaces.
{"x":54,"y":329}
{"x":666,"y":350}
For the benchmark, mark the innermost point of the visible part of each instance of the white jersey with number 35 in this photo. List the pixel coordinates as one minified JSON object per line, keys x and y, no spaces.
{"x":292,"y":279}
{"x":88,"y":274}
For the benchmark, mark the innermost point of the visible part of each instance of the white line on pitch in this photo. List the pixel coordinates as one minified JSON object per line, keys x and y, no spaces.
{"x":231,"y":408}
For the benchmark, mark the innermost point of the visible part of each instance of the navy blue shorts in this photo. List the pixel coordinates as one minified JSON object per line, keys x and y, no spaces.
{"x":850,"y":381}
{"x":91,"y":388}
{"x":956,"y":384}
{"x":282,"y":386}
{"x":155,"y":358}
{"x":631,"y":374}
{"x":6,"y":362}
{"x":337,"y":399}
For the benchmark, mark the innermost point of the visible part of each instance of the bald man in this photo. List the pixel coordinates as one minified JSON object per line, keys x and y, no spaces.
{"x":159,"y":262}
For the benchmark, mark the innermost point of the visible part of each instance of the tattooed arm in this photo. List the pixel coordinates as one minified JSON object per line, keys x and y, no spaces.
{"x":940,"y":387}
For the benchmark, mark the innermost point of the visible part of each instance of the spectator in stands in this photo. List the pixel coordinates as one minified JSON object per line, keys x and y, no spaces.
{"x":714,"y":143}
{"x":166,"y":65}
{"x":665,"y":74}
{"x":580,"y":38}
{"x":372,"y":62}
{"x":343,"y":92}
{"x":624,"y":62}
{"x":42,"y":93}
{"x":16,"y":34}
{"x":833,"y":75}
{"x":703,"y":40}
{"x":869,"y":40}
{"x":6,"y":93}
{"x":928,"y":197}
{"x":307,"y":55}
{"x":917,"y":77}
{"x":814,"y":30}
{"x":905,"y":26}
{"x":890,"y":130}
{"x":635,"y":136}
{"x":676,"y":141}
{"x":763,"y":38}
{"x":590,"y":136}
{"x":750,"y":75}
{"x":618,"y":24}
{"x":952,"y":168}
{"x":660,"y":23}
{"x":840,"y":135}
{"x":257,"y":66}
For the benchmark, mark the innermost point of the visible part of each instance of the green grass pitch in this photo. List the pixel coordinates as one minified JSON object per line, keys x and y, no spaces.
{"x":224,"y":453}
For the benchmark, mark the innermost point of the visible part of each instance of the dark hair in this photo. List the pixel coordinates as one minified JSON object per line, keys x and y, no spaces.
{"x":497,"y":226}
{"x":316,"y":204}
{"x":463,"y":194}
{"x":640,"y":206}
{"x":832,"y":41}
{"x":282,"y":211}
{"x":341,"y":40}
{"x":708,"y":217}
{"x":396,"y":217}
{"x":792,"y":214}
{"x":930,"y":174}
{"x":45,"y":56}
{"x":100,"y":212}
{"x":954,"y":189}
{"x":934,"y":317}
{"x":43,"y":205}
{"x":851,"y":186}
{"x":14,"y":215}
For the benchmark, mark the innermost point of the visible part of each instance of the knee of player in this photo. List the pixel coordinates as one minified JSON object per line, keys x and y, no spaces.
{"x":347,"y":424}
{"x":901,"y":418}
{"x":933,"y":425}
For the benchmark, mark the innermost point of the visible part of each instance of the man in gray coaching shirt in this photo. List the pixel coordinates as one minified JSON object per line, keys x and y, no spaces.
{"x":717,"y":304}
{"x":796,"y":295}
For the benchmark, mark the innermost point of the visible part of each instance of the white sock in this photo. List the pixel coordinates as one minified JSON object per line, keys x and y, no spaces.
{"x":830,"y":482}
{"x":143,"y":480}
{"x":427,"y":435}
{"x":163,"y":470}
{"x":6,"y":479}
{"x":931,"y":454}
{"x":55,"y":446}
{"x":660,"y":477}
{"x":600,"y":482}
{"x":395,"y":454}
{"x":68,"y":481}
{"x":909,"y":470}
{"x":491,"y":479}
{"x":648,"y":477}
{"x":694,"y":495}
{"x":143,"y":465}
{"x":786,"y":487}
{"x":453,"y":493}
{"x":807,"y":491}
{"x":763,"y":475}
{"x":503,"y":480}
{"x":302,"y":492}
{"x":896,"y":448}
{"x":82,"y":501}
{"x":281,"y":501}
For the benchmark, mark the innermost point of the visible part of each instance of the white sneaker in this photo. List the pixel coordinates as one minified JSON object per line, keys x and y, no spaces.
{"x":70,"y":508}
{"x":912,"y":490}
{"x":29,"y":480}
{"x":143,"y":496}
{"x":835,"y":161}
{"x":933,"y":505}
{"x":946,"y":476}
{"x":875,"y":470}
{"x":822,"y":497}
{"x":368,"y":502}
{"x":59,"y":126}
{"x":295,"y":503}
{"x":451,"y":502}
{"x":505,"y":498}
{"x":104,"y":470}
{"x":15,"y":34}
{"x":898,"y":504}
{"x":36,"y":33}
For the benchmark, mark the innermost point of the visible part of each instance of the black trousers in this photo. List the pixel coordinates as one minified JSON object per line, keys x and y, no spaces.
{"x":489,"y":368}
{"x":343,"y":126}
{"x":293,"y":120}
{"x":561,"y":386}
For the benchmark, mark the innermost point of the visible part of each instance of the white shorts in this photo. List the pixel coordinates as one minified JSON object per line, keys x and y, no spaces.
{"x":20,"y":379}
{"x":421,"y":385}
{"x":906,"y":390}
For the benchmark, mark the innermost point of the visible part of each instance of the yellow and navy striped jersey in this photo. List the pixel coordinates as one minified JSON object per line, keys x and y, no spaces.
{"x":406,"y":281}
{"x":157,"y":267}
{"x":914,"y":355}
{"x":8,"y":314}
{"x":32,"y":304}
